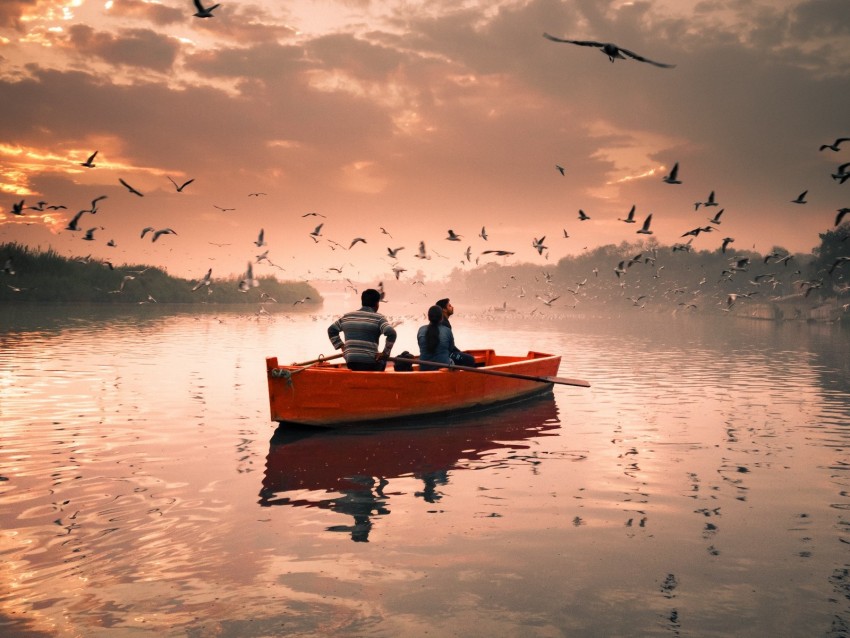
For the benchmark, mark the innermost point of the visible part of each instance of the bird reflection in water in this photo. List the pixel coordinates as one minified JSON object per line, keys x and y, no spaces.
{"x":347,"y":470}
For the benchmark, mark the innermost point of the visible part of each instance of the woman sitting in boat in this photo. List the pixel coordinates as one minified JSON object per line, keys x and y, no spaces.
{"x":436,"y":340}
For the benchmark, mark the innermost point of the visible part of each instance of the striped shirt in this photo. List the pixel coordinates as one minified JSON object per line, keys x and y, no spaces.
{"x":363,"y":328}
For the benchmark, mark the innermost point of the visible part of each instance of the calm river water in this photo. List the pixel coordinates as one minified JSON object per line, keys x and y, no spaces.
{"x":700,"y":487}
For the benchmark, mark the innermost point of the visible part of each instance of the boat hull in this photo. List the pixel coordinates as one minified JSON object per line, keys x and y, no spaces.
{"x":328,"y":395}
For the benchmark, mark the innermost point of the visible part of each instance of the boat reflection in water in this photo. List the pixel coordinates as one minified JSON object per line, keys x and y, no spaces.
{"x":347,"y":470}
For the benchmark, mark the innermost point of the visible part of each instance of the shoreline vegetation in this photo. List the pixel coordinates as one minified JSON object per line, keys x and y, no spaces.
{"x":612,"y":279}
{"x":29,"y":275}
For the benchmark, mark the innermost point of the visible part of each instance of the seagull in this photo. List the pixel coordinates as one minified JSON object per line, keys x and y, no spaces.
{"x":224,"y":210}
{"x":74,"y":223}
{"x":537,"y":244}
{"x":397,"y":270}
{"x":561,"y":169}
{"x":582,"y":215}
{"x":842,"y":174}
{"x":260,"y":239}
{"x":8,"y":267}
{"x":709,"y":202}
{"x":295,"y":303}
{"x":317,"y":231}
{"x":163,"y":231}
{"x":733,"y":297}
{"x":356,"y":240}
{"x":841,"y":213}
{"x":645,"y":229}
{"x":393,"y":252}
{"x":146,"y":230}
{"x":801,"y":198}
{"x":550,"y":301}
{"x":130,"y":188}
{"x":834,"y":146}
{"x":453,"y":237}
{"x":726,"y":242}
{"x":483,"y":233}
{"x":566,"y":234}
{"x":673,"y":176}
{"x":89,"y":163}
{"x":247,"y":282}
{"x":620,"y":269}
{"x":613,"y":51}
{"x":206,"y":281}
{"x":313,"y":215}
{"x":256,"y":194}
{"x":90,"y":234}
{"x":498,"y":253}
{"x":181,"y":186}
{"x":716,"y":218}
{"x":422,"y":254}
{"x":838,"y":262}
{"x":204,"y":12}
{"x":94,"y":202}
{"x":630,"y":218}
{"x":18,"y":208}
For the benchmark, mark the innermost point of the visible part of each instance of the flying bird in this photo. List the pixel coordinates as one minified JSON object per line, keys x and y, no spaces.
{"x":164,"y":231}
{"x":498,"y":253}
{"x":18,"y":207}
{"x":837,"y":263}
{"x":74,"y":223}
{"x":204,"y":12}
{"x":313,"y":215}
{"x":716,"y":218}
{"x":483,"y":233}
{"x":673,"y":176}
{"x":630,"y":218}
{"x":356,"y":240}
{"x":709,"y":202}
{"x":89,"y":163}
{"x":537,"y":244}
{"x":613,"y":51}
{"x":180,"y":187}
{"x":582,"y":215}
{"x":561,"y":169}
{"x":834,"y":146}
{"x":206,"y":281}
{"x":841,"y":213}
{"x":645,"y":228}
{"x":90,"y":234}
{"x":726,"y":242}
{"x":130,"y":188}
{"x":453,"y":236}
{"x":422,"y":254}
{"x":842,"y":174}
{"x":317,"y":232}
{"x":247,"y":282}
{"x":801,"y":198}
{"x":261,"y":239}
{"x":393,"y":252}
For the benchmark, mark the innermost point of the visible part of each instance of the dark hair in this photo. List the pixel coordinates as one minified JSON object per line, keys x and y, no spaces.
{"x":432,"y":334}
{"x":442,"y":303}
{"x":370,"y":297}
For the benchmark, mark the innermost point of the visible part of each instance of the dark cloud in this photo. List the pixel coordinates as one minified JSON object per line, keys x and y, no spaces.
{"x":154,"y":12}
{"x":142,"y":48}
{"x":821,"y":18}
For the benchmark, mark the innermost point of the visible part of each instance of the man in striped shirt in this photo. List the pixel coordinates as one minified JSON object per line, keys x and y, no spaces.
{"x":363,"y":329}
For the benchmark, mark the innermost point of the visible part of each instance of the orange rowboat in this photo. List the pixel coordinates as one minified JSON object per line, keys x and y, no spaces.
{"x":330,"y":395}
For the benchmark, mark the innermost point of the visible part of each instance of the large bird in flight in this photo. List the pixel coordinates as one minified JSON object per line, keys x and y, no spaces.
{"x":613,"y":51}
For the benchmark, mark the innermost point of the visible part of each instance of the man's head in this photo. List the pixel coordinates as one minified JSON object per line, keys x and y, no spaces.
{"x":370,"y":298}
{"x":448,"y":309}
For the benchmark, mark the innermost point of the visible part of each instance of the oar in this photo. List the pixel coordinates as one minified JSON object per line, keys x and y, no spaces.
{"x":319,"y":360}
{"x":497,"y":373}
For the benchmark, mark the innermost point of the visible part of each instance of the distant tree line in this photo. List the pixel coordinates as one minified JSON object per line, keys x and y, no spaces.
{"x":45,"y":276}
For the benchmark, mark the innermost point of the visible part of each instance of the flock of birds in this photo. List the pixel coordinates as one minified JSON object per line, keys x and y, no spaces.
{"x":614,"y":52}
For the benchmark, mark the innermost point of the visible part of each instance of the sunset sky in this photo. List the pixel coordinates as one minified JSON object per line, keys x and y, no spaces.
{"x":416,"y":117}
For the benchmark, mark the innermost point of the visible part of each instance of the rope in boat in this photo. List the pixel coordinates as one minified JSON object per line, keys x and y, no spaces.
{"x":281,"y":373}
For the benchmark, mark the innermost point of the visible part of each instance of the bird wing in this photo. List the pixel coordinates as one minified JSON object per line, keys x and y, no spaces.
{"x":581,"y":43}
{"x":199,"y":6}
{"x":641,"y":58}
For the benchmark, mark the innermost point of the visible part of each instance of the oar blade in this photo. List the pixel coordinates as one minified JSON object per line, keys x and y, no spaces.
{"x":581,"y":383}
